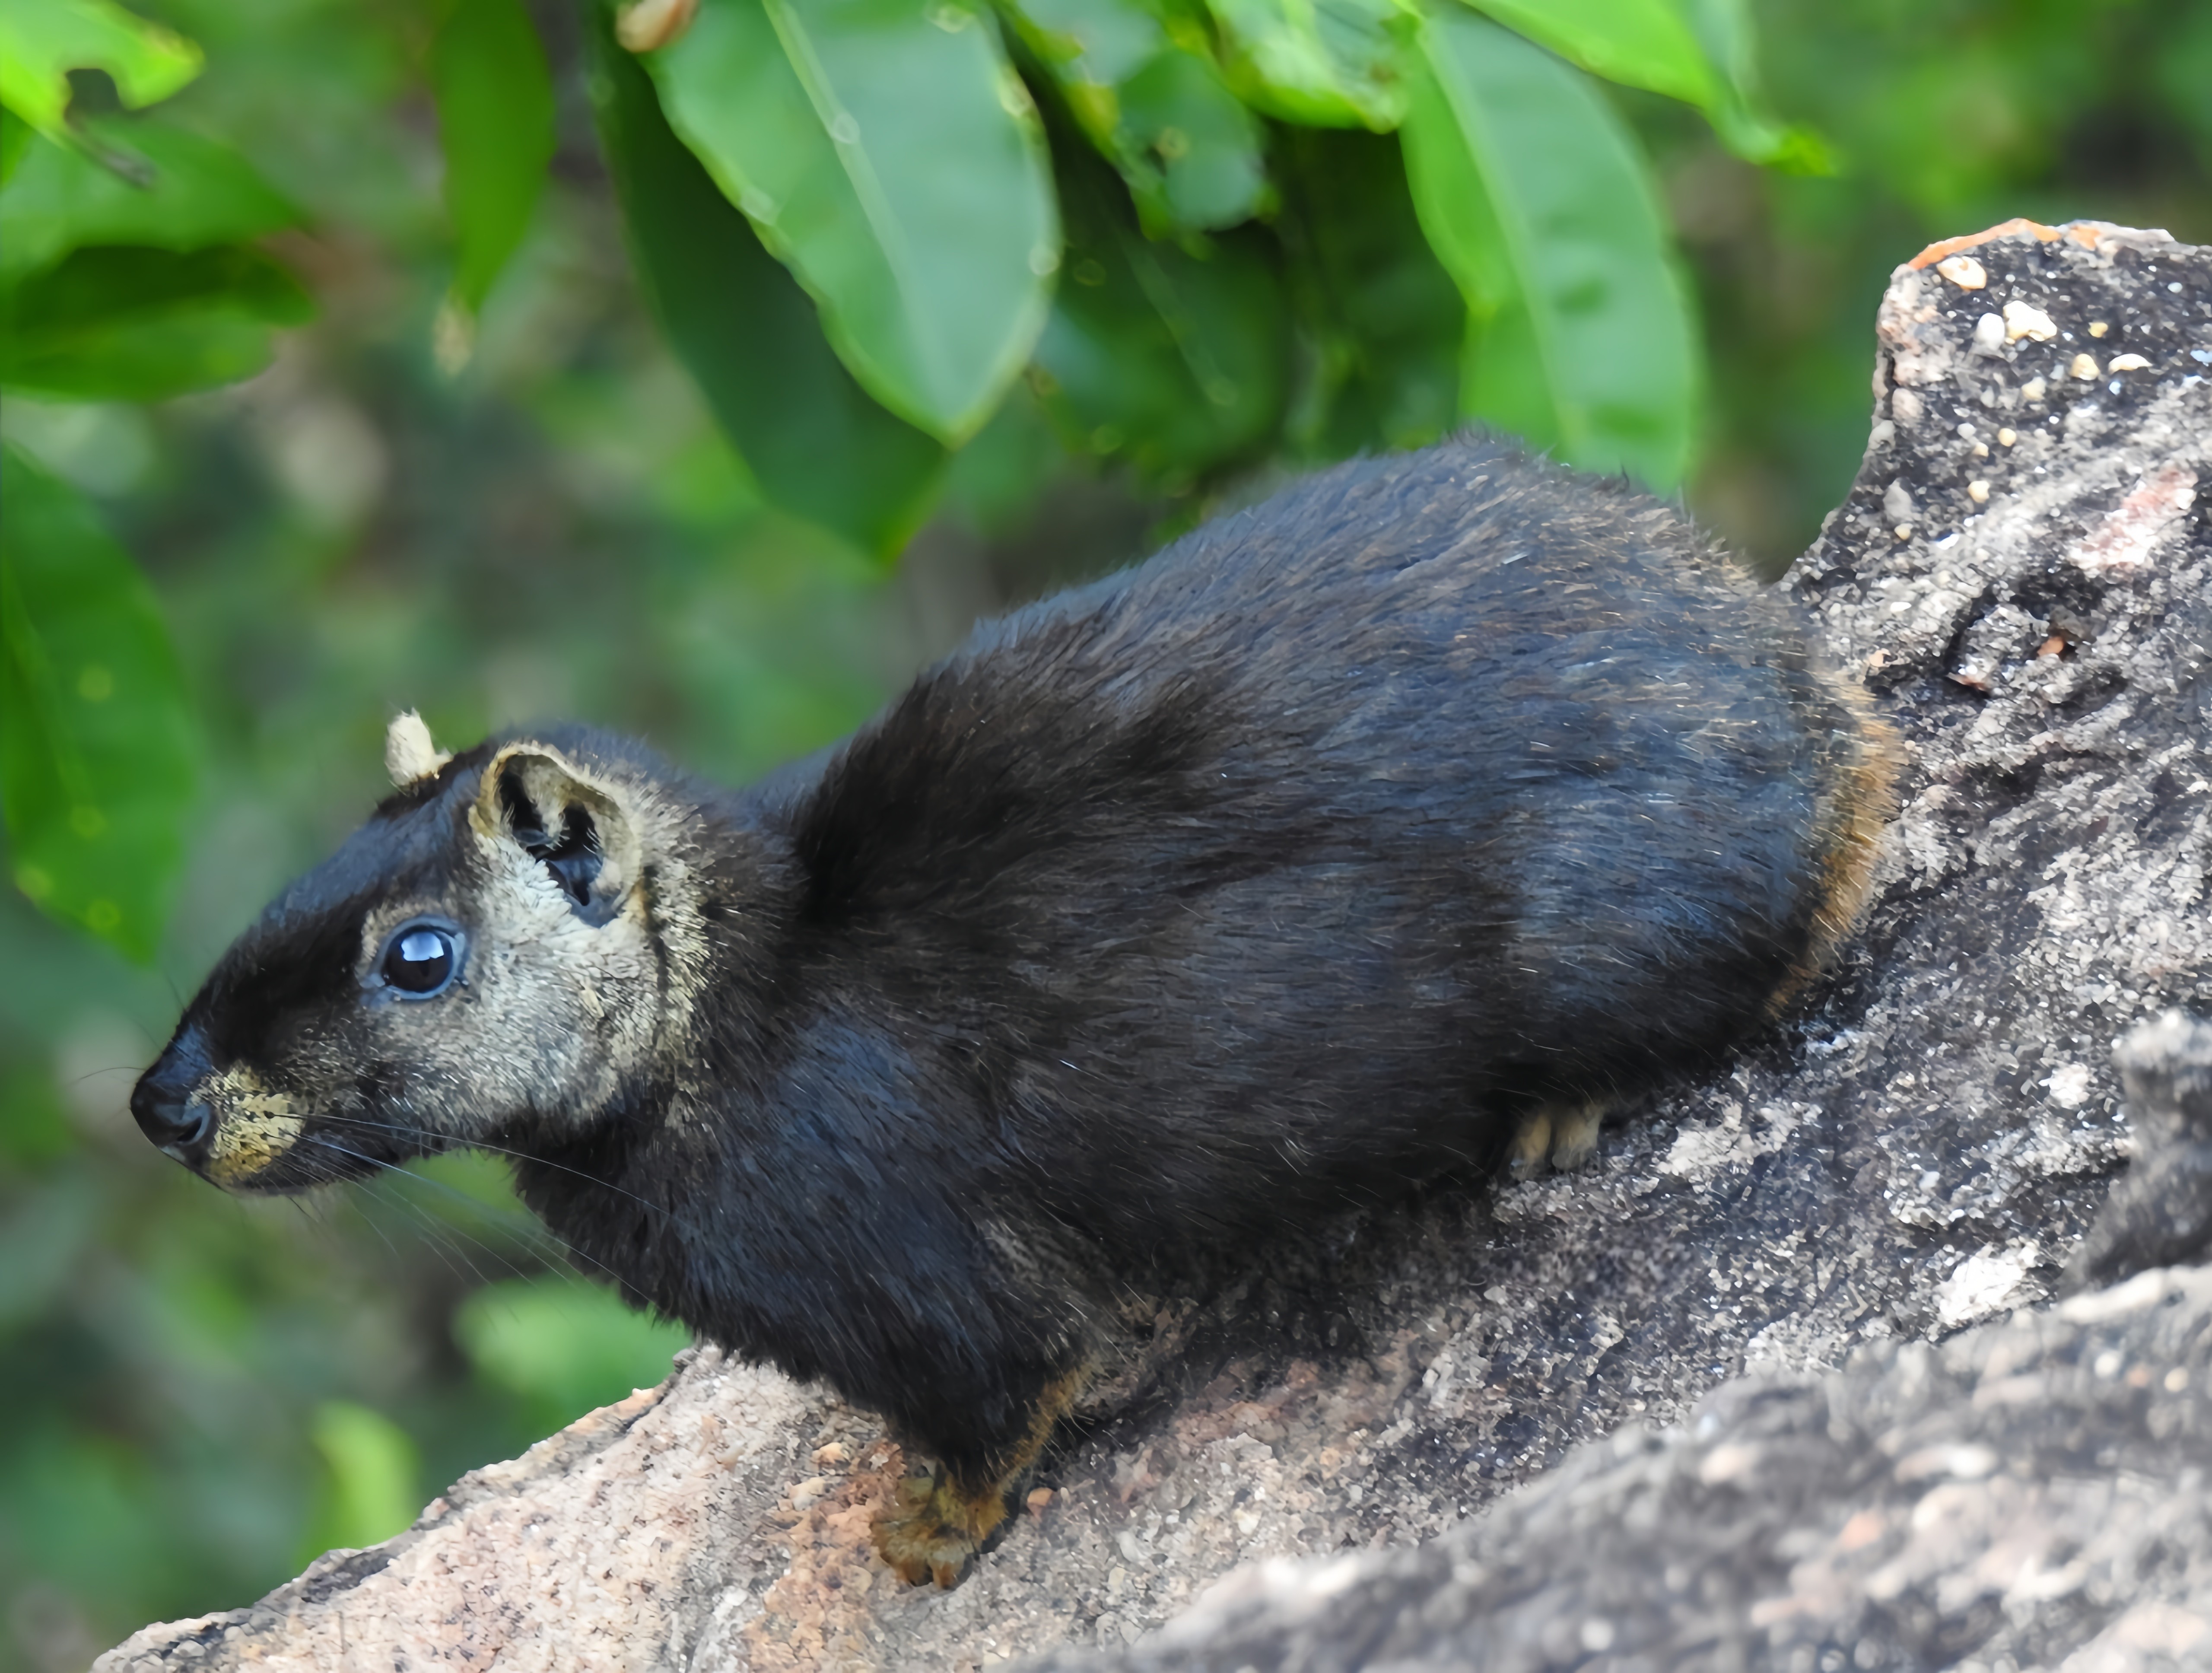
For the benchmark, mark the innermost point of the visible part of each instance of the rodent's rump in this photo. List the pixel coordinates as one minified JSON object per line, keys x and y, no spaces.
{"x":1416,"y":815}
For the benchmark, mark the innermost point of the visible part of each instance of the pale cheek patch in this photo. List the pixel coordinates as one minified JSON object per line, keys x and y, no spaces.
{"x":253,"y":1127}
{"x":551,"y":1011}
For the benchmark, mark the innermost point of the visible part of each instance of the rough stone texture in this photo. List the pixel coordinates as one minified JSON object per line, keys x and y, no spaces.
{"x":1919,"y":1151}
{"x":2160,"y":1212}
{"x":2032,"y":1494}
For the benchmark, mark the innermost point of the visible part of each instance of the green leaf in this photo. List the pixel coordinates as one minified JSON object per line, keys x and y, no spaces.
{"x":1188,"y":147}
{"x":1385,"y":321}
{"x":563,"y":1346}
{"x":1638,"y":43}
{"x":181,"y":192}
{"x":888,"y":154}
{"x":42,"y":40}
{"x":120,"y":323}
{"x":1091,"y":46}
{"x":15,"y":139}
{"x":1177,"y":363}
{"x":1154,"y":106}
{"x":1535,"y":198}
{"x":1332,"y":63}
{"x":370,"y":1489}
{"x":96,"y":745}
{"x":1696,"y":51}
{"x":1739,"y":111}
{"x":817,"y":447}
{"x":494,"y":100}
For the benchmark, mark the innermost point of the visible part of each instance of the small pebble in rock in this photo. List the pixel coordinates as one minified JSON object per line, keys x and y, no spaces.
{"x":1964,"y":271}
{"x":2084,"y":367}
{"x":2129,"y":364}
{"x":1988,"y":334}
{"x":1979,"y":492}
{"x":2023,"y":320}
{"x":2098,"y":328}
{"x":1966,"y":432}
{"x":2031,"y":390}
{"x":1903,"y":531}
{"x":2007,"y":436}
{"x":1981,"y":450}
{"x":1896,"y":502}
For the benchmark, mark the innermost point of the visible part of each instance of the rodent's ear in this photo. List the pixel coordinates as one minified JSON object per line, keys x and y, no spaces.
{"x":409,"y":754}
{"x":576,"y":824}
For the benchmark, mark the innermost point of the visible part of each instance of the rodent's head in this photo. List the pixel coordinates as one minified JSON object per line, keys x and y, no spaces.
{"x":488,"y":954}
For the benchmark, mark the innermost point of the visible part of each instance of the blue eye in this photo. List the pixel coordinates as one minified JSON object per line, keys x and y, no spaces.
{"x":421,"y":960}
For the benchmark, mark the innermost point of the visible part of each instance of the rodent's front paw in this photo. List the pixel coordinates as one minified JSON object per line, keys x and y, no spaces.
{"x":933,"y":1531}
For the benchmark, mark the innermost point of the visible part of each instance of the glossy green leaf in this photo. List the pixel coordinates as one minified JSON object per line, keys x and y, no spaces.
{"x":1696,"y":51}
{"x":1175,"y":363}
{"x":494,"y":100}
{"x":181,"y":192}
{"x":1155,"y":106}
{"x":42,"y":40}
{"x":126,"y":323}
{"x":1638,"y":43}
{"x":1338,"y":64}
{"x":1384,"y":320}
{"x":1537,"y":200}
{"x":816,"y":445}
{"x":96,"y":745}
{"x":1739,"y":111}
{"x":887,"y":152}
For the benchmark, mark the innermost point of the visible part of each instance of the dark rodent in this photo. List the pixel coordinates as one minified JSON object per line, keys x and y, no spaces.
{"x":1346,"y":839}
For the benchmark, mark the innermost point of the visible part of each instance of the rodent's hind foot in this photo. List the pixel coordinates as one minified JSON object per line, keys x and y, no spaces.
{"x":1563,"y":1135}
{"x":1574,"y":1135}
{"x":1532,"y":1145}
{"x":934,"y":1529}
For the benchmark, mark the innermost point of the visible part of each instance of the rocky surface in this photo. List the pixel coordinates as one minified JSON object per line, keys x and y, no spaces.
{"x":2031,"y":1494}
{"x":2023,"y":572}
{"x":2160,"y":1212}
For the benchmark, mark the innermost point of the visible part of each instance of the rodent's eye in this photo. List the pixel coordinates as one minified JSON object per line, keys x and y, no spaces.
{"x":421,"y":960}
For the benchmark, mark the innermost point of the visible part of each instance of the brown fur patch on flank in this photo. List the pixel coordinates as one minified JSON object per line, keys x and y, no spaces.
{"x":1858,"y":809}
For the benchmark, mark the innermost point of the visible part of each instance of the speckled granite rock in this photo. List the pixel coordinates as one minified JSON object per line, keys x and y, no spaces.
{"x":2033,"y":1494}
{"x":1919,"y":1151}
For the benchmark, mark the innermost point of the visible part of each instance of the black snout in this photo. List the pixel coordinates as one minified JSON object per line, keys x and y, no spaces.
{"x":164,"y":1109}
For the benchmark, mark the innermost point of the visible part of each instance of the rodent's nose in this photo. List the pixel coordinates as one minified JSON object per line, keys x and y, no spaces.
{"x":166,"y":1111}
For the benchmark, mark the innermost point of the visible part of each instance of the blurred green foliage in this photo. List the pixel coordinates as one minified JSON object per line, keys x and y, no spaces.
{"x":613,"y":405}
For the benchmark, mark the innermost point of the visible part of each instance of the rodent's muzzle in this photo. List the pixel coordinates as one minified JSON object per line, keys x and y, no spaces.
{"x":162,"y":1104}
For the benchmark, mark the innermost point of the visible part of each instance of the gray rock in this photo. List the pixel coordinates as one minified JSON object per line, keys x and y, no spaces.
{"x":1918,"y":1151}
{"x":2160,"y":1212}
{"x":2029,"y":1494}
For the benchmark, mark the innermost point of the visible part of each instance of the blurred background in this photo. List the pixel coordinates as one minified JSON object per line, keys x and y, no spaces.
{"x":198,"y":1393}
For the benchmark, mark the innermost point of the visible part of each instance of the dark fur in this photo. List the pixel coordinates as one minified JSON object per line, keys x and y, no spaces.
{"x":1290,"y":866}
